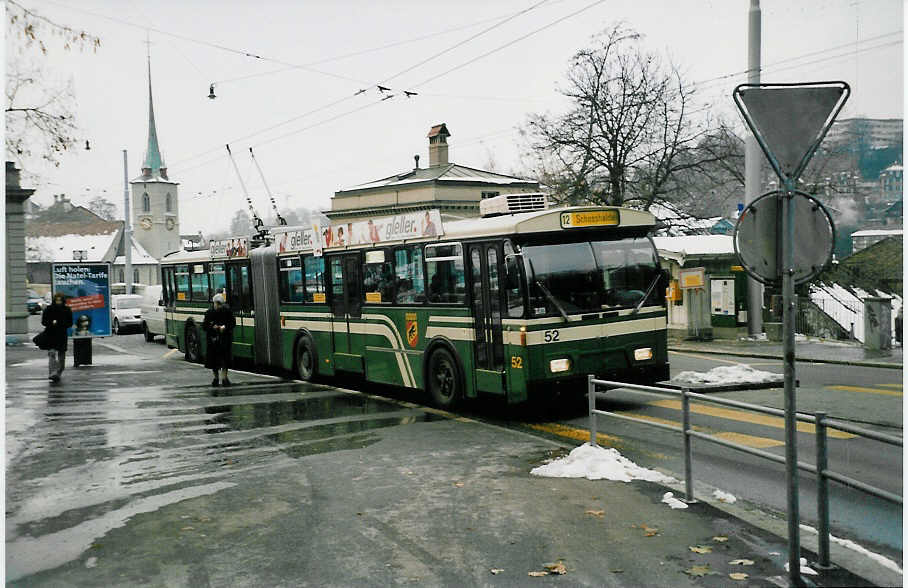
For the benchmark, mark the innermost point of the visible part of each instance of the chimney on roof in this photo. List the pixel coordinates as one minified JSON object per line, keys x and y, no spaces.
{"x":438,"y":145}
{"x":416,"y":159}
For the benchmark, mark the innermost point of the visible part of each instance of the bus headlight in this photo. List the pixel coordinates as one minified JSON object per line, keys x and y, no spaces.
{"x":559,"y":365}
{"x":643,"y":353}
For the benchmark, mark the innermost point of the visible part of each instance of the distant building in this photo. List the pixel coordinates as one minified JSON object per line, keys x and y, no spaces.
{"x":64,"y":232}
{"x":16,"y":201}
{"x":876,"y":132}
{"x":863,"y":239}
{"x":454,"y":189}
{"x":891,"y":183}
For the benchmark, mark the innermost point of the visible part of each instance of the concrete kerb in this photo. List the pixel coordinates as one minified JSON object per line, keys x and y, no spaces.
{"x":755,"y":355}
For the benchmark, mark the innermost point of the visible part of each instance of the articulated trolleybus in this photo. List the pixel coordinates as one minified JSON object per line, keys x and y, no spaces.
{"x":516,"y":305}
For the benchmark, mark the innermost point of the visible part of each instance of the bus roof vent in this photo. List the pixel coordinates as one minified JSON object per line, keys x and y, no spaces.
{"x":512,"y":204}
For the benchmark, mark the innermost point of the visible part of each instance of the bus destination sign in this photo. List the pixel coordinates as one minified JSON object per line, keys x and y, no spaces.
{"x":593,"y":218}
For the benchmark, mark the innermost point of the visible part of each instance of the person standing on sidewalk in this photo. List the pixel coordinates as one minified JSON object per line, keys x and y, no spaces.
{"x":56,"y":318}
{"x":219,"y":324}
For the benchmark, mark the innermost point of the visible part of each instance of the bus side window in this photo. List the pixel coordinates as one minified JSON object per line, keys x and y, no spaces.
{"x":165,"y":285}
{"x":408,"y":273}
{"x":217,"y":279}
{"x":512,"y":283}
{"x":315,"y":279}
{"x":181,"y":275}
{"x":290,"y":279}
{"x":238,"y":290}
{"x":199,"y":283}
{"x":445,"y":272}
{"x":378,"y":277}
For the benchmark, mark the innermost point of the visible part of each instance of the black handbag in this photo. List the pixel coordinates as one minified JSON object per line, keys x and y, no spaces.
{"x":41,"y":340}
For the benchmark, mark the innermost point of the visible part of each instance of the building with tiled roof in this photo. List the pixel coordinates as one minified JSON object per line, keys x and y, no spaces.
{"x":454,"y":189}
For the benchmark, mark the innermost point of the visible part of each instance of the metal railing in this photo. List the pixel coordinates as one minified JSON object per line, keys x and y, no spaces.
{"x":819,"y":419}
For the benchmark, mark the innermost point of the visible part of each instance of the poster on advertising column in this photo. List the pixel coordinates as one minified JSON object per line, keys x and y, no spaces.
{"x":86,"y":287}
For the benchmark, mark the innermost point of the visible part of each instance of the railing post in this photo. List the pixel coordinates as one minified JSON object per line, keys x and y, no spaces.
{"x":591,"y":395}
{"x":685,"y":423}
{"x":822,"y":490}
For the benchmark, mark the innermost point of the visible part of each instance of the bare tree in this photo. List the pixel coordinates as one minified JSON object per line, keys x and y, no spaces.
{"x":103,"y":207}
{"x":39,"y":116}
{"x":628,"y":133}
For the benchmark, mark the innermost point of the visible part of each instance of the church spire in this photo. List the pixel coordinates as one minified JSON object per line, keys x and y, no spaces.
{"x":154,"y":163}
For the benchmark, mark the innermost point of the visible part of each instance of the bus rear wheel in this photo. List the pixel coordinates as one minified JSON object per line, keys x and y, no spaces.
{"x":444,"y":382}
{"x":193,"y":345}
{"x":305,"y":359}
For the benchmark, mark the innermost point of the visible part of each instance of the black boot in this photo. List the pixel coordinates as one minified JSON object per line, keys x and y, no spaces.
{"x":214,"y":382}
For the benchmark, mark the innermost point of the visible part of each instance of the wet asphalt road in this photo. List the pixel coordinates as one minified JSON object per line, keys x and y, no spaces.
{"x":135,"y":471}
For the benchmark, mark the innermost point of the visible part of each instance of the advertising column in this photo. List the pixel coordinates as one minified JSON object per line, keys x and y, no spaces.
{"x":86,"y":287}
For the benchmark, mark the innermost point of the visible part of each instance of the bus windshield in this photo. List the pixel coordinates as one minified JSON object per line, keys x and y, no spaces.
{"x":591,"y":276}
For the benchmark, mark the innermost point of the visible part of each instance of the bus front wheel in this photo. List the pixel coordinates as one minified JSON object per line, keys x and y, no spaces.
{"x":193,"y":345}
{"x":305,"y":359}
{"x":444,"y":382}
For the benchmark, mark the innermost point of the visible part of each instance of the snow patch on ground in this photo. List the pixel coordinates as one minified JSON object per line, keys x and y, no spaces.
{"x":598,"y":463}
{"x":669,"y":499}
{"x":727,"y":374}
{"x":805,"y":569}
{"x":882,"y":560}
{"x":724,"y":496}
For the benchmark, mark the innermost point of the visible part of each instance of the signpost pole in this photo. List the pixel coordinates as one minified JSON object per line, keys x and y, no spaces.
{"x":753,"y":165}
{"x":788,"y":352}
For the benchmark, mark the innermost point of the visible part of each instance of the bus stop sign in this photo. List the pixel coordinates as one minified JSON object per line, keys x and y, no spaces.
{"x":790,"y":120}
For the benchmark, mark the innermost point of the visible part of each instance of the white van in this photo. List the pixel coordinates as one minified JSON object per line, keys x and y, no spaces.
{"x":126,"y":312}
{"x":153,"y":313}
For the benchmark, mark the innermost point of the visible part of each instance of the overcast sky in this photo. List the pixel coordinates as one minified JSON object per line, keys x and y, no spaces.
{"x":312,"y":136}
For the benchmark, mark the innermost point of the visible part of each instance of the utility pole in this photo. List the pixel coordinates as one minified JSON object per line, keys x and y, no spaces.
{"x":753,"y":161}
{"x":127,"y":229}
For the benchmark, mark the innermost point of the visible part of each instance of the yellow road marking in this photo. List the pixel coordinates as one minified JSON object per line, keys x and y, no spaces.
{"x":572,"y":433}
{"x":750,"y":440}
{"x":171,"y":352}
{"x":865,"y":390}
{"x":897,"y":386}
{"x":747,"y":417}
{"x":740,"y":438}
{"x":705,"y":357}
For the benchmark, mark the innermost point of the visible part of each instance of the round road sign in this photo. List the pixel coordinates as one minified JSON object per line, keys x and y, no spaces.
{"x":758,"y":237}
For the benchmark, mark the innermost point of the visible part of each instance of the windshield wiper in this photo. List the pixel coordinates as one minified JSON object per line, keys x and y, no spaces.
{"x":648,"y":292}
{"x":553,"y":300}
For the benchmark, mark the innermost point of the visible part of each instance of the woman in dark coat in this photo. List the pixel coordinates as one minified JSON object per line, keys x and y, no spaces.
{"x":219,"y":324}
{"x":56,"y":318}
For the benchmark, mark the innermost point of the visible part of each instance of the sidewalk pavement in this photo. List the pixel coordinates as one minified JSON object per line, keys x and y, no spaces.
{"x":440,"y":502}
{"x":807,"y":350}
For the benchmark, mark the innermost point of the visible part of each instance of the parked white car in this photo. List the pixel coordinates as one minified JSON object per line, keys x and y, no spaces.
{"x":126,"y":311}
{"x":153,"y":313}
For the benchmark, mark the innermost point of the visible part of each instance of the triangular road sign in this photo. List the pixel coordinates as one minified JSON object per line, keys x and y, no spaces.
{"x":790,"y":120}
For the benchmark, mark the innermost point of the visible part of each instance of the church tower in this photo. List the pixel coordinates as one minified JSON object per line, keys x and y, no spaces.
{"x":154,"y":205}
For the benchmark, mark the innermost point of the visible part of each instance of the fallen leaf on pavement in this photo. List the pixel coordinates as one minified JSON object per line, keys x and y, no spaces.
{"x":458,"y":484}
{"x":556,"y":568}
{"x":496,"y":571}
{"x":741,"y":562}
{"x":738,"y":576}
{"x":537,"y":574}
{"x":649,"y":531}
{"x":188,"y":529}
{"x":720,"y":538}
{"x":596,"y":513}
{"x":617,"y":571}
{"x":701,"y":549}
{"x":698,"y":571}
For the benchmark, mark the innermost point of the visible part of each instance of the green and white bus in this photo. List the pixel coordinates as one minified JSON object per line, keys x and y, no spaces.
{"x":513,"y":305}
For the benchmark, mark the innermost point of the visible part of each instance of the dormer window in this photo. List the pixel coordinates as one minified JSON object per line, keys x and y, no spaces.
{"x":146,"y":202}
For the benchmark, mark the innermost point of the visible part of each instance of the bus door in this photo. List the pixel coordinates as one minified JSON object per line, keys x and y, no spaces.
{"x":168,"y":293}
{"x":346,"y":304}
{"x":239,"y":298}
{"x":488,"y":347}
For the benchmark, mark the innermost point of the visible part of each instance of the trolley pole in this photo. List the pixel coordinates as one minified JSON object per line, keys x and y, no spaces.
{"x":753,"y":163}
